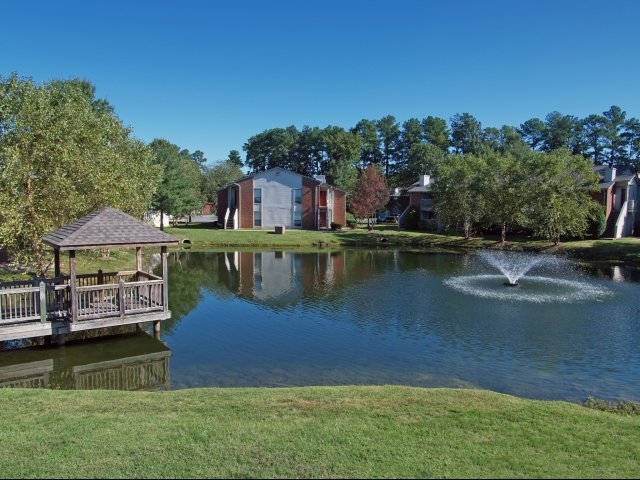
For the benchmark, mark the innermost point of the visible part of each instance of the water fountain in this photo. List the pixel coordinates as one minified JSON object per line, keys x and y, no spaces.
{"x":558,"y":282}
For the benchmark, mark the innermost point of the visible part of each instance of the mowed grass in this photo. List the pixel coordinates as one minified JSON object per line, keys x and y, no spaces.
{"x":310,"y":432}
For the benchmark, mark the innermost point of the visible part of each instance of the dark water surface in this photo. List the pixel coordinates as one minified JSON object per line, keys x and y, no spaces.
{"x":369,"y":317}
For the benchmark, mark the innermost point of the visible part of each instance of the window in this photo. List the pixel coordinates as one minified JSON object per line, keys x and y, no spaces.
{"x":297,"y":194}
{"x":257,"y":207}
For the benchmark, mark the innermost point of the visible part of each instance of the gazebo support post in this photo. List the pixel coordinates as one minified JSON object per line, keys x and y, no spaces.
{"x":56,"y":262}
{"x":138,"y":261}
{"x":72,"y":286}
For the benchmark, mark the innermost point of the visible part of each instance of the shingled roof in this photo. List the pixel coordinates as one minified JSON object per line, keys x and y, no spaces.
{"x":107,"y":227}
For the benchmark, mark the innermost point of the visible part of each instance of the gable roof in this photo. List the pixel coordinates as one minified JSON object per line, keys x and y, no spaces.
{"x":107,"y":227}
{"x":274,"y":169}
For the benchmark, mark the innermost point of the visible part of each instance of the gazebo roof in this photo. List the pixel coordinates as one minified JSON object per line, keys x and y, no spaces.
{"x":107,"y":227}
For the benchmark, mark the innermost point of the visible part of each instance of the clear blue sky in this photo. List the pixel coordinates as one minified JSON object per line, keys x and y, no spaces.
{"x":208,"y":75}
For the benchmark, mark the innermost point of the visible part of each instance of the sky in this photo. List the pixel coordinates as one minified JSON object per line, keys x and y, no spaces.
{"x":210,"y":74}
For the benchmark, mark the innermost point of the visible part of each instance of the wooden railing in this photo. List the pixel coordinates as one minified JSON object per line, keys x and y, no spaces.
{"x":97,"y":296}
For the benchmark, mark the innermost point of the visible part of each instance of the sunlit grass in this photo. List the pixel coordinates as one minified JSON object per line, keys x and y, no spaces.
{"x":310,"y":432}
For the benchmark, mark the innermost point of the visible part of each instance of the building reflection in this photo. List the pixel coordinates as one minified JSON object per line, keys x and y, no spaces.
{"x":131,"y":362}
{"x":281,"y":278}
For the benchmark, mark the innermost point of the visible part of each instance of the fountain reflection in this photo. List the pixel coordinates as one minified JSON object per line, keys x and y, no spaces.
{"x":125,"y":362}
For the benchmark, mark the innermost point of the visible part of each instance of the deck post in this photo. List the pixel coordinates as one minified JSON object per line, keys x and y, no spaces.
{"x":121,"y":297}
{"x":156,"y":329}
{"x":72,"y":286}
{"x":165,"y":279}
{"x":43,"y":302}
{"x":138,"y":261}
{"x":56,"y":255}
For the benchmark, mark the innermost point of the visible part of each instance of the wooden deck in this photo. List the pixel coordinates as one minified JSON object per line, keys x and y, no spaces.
{"x":43,"y":307}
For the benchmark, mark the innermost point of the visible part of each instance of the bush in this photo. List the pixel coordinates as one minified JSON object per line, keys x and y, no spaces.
{"x":411,"y":219}
{"x":336,"y":226}
{"x":625,"y":408}
{"x":598,"y":223}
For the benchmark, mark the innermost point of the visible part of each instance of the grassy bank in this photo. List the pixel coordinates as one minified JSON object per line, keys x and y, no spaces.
{"x":311,"y":432}
{"x":624,"y":251}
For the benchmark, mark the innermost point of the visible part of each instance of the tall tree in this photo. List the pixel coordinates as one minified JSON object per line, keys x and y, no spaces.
{"x":465,"y":133}
{"x":179,"y":192}
{"x":411,"y":134}
{"x":594,"y":136}
{"x":389,"y":133}
{"x":217,"y":176}
{"x":615,"y":125}
{"x":436,"y":132}
{"x":559,"y":201}
{"x":63,"y":153}
{"x":457,"y":193}
{"x":370,"y":195}
{"x":235,"y":158}
{"x":368,"y":132}
{"x":533,"y":132}
{"x":560,"y":131}
{"x":271,"y":148}
{"x":343,"y":153}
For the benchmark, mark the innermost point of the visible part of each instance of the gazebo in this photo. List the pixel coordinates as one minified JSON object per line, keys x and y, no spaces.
{"x":75,"y":302}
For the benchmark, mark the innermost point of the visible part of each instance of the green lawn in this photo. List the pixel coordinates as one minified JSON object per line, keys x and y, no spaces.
{"x":310,"y":432}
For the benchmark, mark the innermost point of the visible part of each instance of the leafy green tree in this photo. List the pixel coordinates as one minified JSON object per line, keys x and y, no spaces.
{"x":436,"y":132}
{"x":559,"y":201}
{"x":615,"y":126}
{"x":179,"y":191}
{"x":370,"y":152}
{"x":310,"y":152}
{"x":560,"y":131}
{"x":424,"y":158}
{"x":217,"y":176}
{"x":504,"y":186}
{"x":457,"y":193}
{"x":370,"y":195}
{"x":466,"y":133}
{"x":533,"y":132}
{"x":411,"y":134}
{"x":272,"y":148}
{"x":234,"y":157}
{"x":389,"y":133}
{"x":594,"y":135}
{"x":63,"y":153}
{"x":343,"y":153}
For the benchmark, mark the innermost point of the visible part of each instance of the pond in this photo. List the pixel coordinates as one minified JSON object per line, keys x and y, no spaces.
{"x":364,"y":317}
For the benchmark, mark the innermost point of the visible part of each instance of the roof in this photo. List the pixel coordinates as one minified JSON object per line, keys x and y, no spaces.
{"x":107,"y":227}
{"x":248,"y":176}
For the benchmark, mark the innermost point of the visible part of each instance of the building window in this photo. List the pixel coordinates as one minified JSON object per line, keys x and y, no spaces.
{"x":297,"y":195}
{"x":257,"y":207}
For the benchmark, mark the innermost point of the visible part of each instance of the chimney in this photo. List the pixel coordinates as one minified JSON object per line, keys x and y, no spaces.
{"x":425,"y":180}
{"x":609,"y":174}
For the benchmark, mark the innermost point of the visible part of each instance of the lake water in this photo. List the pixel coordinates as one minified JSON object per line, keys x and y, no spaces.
{"x":283,"y":318}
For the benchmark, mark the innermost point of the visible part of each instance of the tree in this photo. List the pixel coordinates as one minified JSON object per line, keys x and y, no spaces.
{"x":559,"y":202}
{"x":271,"y":148}
{"x":465,"y":133}
{"x":179,"y":191}
{"x":235,"y":158}
{"x":533,"y":132}
{"x":436,"y":132}
{"x":424,"y":158}
{"x":343,"y":153}
{"x":217,"y":176}
{"x":560,"y":131}
{"x":457,"y":193}
{"x":504,"y":188}
{"x":63,"y":153}
{"x":389,"y":133}
{"x":368,"y":133}
{"x":371,"y":194}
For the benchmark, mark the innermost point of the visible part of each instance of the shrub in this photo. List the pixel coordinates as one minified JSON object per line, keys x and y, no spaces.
{"x":622,"y":407}
{"x":336,"y":226}
{"x":598,"y":223}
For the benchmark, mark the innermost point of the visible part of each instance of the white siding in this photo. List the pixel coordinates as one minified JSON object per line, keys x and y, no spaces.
{"x":277,"y":196}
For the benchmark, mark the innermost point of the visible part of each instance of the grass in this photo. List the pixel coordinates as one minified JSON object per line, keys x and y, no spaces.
{"x":206,"y":236}
{"x":310,"y":432}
